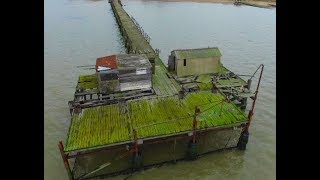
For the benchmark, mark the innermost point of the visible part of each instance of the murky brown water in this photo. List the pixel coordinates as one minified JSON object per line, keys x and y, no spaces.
{"x":78,"y":31}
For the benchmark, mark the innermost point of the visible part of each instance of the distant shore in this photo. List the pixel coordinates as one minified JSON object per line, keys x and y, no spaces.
{"x":257,"y":3}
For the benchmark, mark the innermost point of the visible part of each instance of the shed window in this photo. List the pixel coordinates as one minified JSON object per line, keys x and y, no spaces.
{"x":184,"y":62}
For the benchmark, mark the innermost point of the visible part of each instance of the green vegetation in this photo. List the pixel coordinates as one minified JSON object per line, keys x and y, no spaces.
{"x":88,"y":78}
{"x":232,"y":81}
{"x":204,"y":82}
{"x":98,"y":126}
{"x":87,"y":82}
{"x":104,"y":125}
{"x":223,"y":70}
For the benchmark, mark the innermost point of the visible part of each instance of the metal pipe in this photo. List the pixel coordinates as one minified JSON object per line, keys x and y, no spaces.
{"x":261,"y":65}
{"x":250,"y":115}
{"x":65,"y":161}
{"x":196,"y":111}
{"x":135,"y":141}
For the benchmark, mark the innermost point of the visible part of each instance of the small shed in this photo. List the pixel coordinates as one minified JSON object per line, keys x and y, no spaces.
{"x":123,"y":72}
{"x":184,"y":62}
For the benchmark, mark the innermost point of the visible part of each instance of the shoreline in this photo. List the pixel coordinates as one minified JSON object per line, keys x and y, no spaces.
{"x":255,"y":3}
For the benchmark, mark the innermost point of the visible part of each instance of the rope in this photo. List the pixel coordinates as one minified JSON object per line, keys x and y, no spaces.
{"x":255,"y":72}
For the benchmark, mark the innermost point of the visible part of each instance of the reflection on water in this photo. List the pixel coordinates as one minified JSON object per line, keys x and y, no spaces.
{"x":79,"y":31}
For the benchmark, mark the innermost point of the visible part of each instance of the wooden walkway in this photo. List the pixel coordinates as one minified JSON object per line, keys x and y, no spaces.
{"x":136,"y":41}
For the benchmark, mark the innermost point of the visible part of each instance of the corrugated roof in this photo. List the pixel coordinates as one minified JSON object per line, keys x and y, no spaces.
{"x":197,"y":53}
{"x":107,"y":61}
{"x":126,"y":61}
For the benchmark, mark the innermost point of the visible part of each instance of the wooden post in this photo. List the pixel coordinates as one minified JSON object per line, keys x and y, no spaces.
{"x":65,"y":160}
{"x":135,"y":142}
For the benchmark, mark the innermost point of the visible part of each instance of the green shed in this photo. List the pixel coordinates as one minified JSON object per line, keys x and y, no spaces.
{"x":184,"y":62}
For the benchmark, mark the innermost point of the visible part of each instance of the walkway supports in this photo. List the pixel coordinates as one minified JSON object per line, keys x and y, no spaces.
{"x":243,"y":140}
{"x":65,"y":161}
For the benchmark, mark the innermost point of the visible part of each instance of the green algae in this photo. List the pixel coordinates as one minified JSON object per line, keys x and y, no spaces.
{"x":109,"y":124}
{"x":87,"y":82}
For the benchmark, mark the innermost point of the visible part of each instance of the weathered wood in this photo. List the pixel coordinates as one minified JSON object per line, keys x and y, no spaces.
{"x":86,"y":93}
{"x":229,"y":86}
{"x":108,"y":99}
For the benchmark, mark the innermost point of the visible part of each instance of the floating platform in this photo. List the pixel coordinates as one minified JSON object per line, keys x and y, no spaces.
{"x":179,"y":118}
{"x":153,"y":117}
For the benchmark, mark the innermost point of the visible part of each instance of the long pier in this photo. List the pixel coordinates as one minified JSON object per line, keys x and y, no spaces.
{"x":138,"y":42}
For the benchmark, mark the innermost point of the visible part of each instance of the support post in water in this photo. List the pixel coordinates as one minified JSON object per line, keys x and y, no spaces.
{"x":243,"y":140}
{"x":65,"y":160}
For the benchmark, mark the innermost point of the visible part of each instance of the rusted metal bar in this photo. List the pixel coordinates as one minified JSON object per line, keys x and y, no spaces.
{"x":135,"y":141}
{"x":196,"y":111}
{"x":250,"y":115}
{"x":65,"y":161}
{"x":174,"y":149}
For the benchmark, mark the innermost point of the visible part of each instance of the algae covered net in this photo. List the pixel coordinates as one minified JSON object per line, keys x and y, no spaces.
{"x":87,"y":82}
{"x":110,"y":124}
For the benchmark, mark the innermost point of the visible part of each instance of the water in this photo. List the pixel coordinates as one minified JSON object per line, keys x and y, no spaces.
{"x":78,"y":31}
